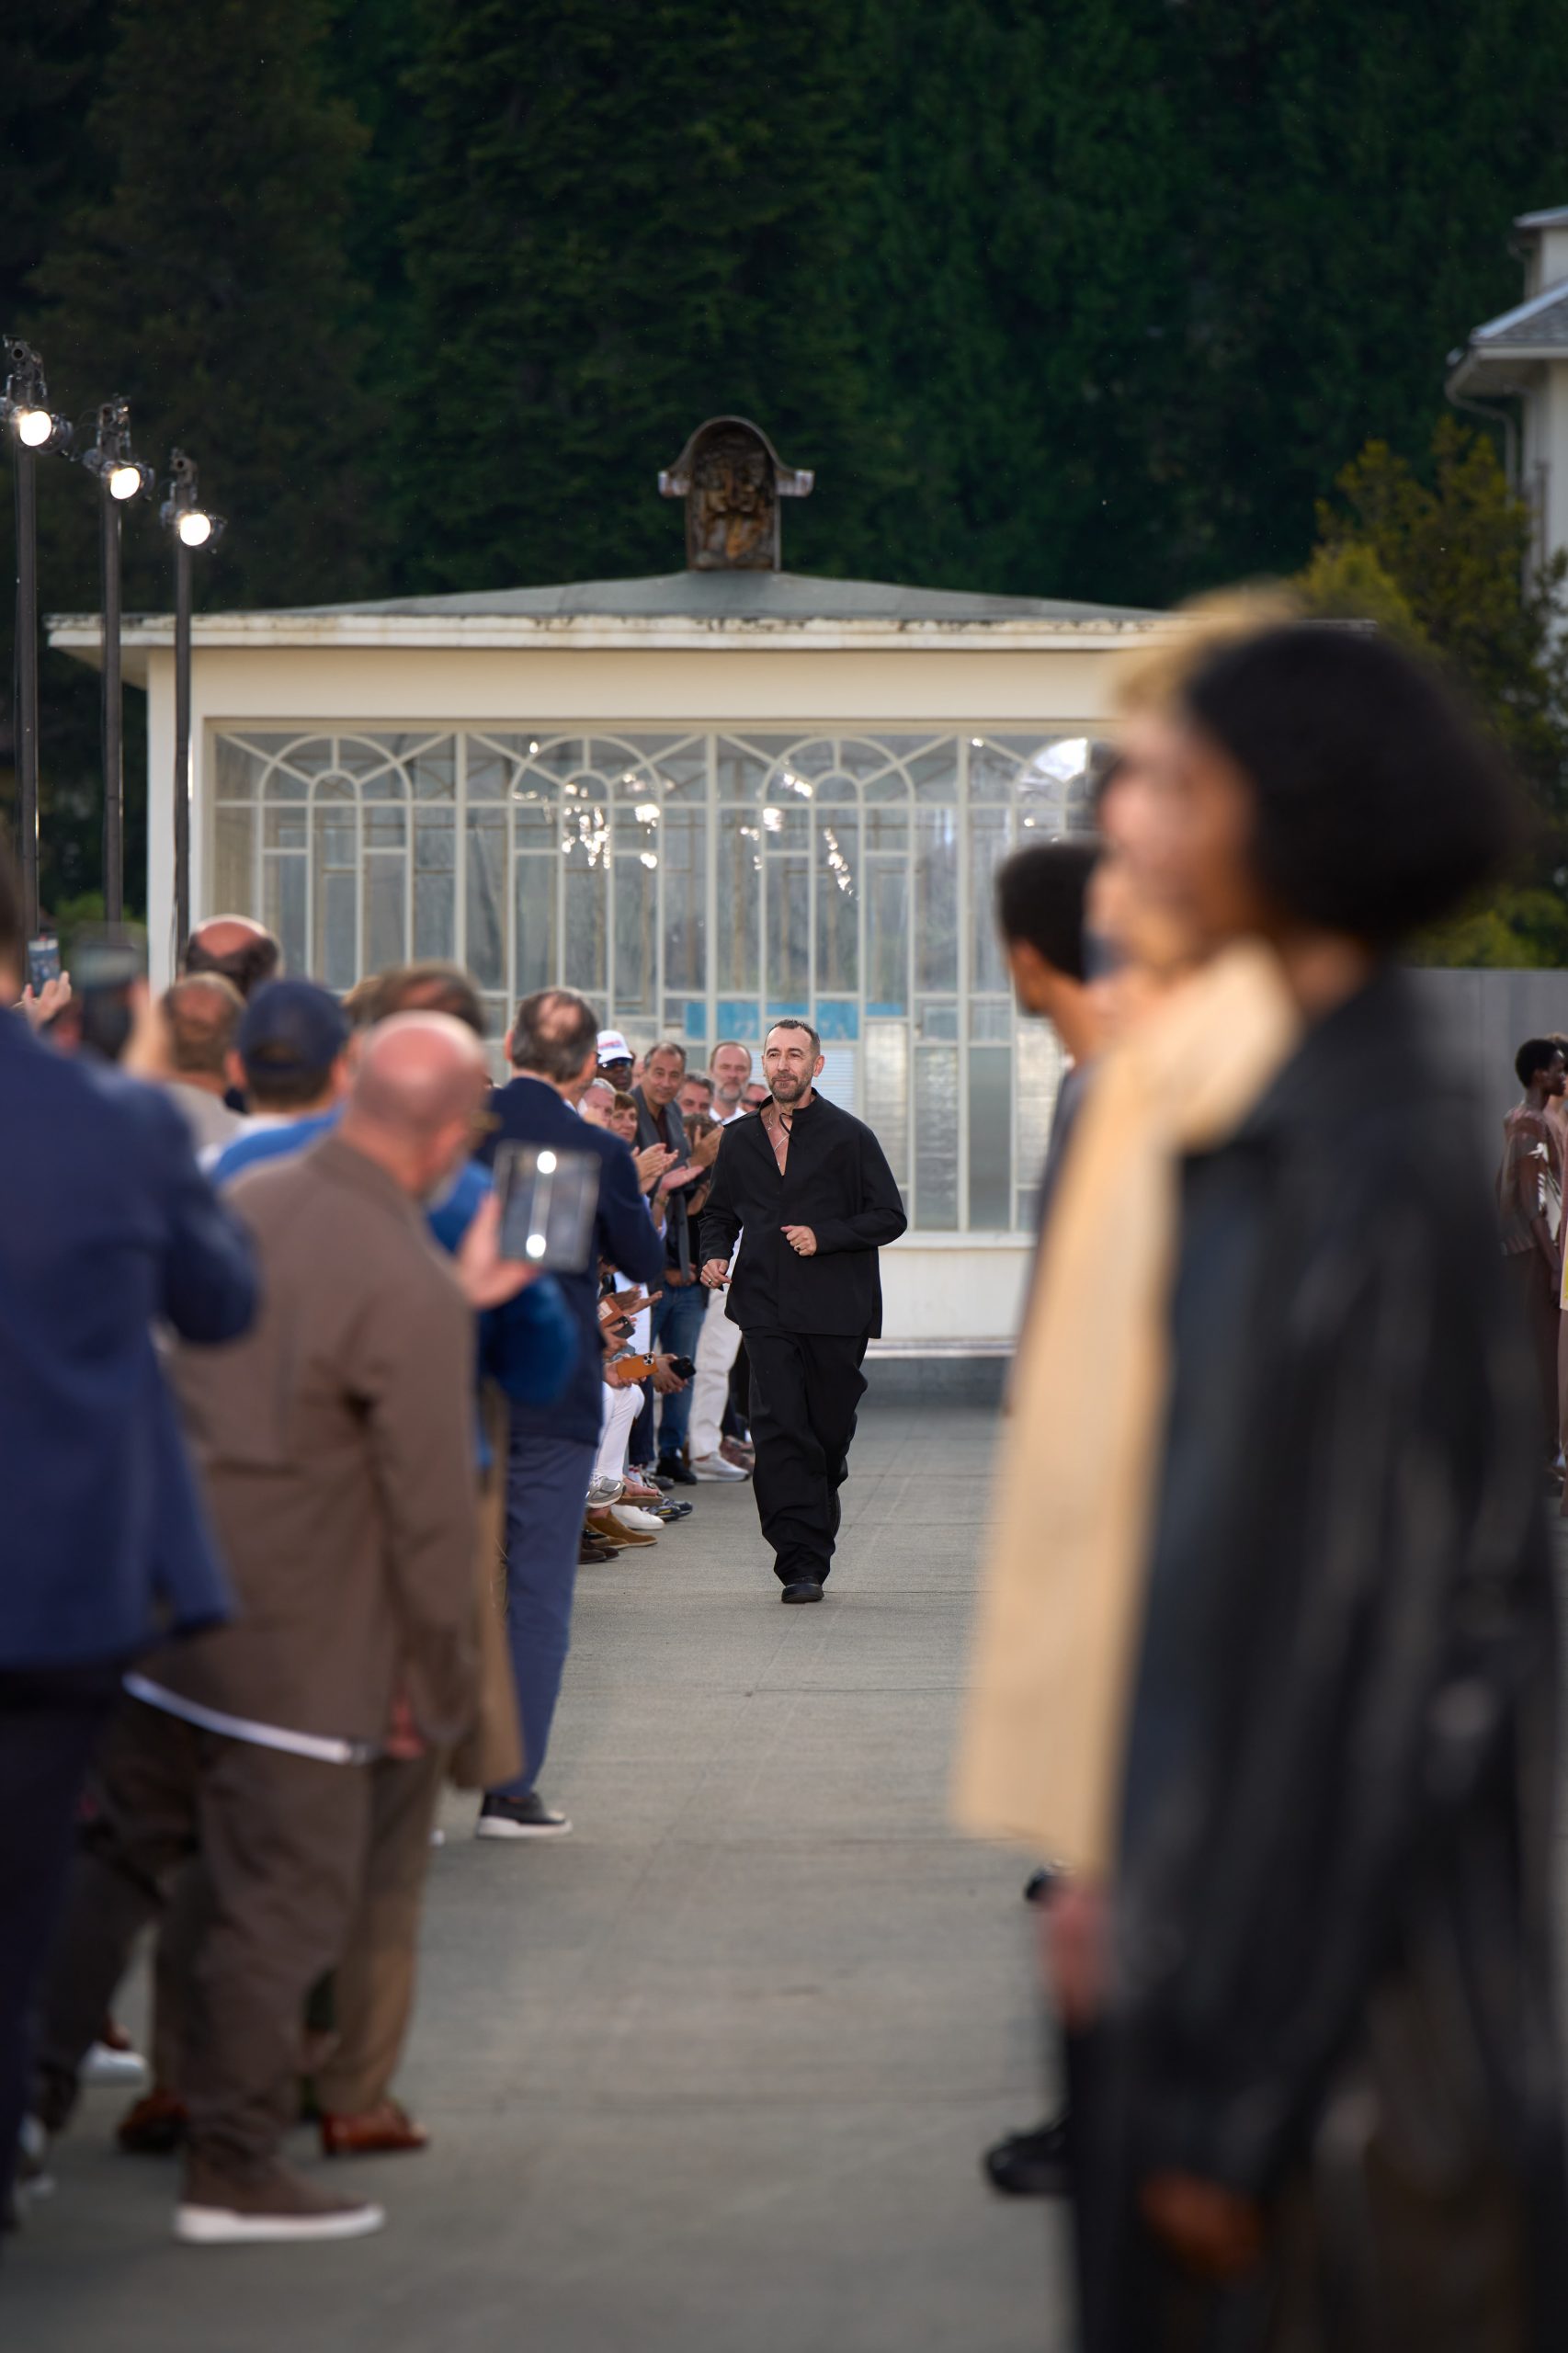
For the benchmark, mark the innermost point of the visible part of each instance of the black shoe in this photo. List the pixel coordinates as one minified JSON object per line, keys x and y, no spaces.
{"x":802,"y":1590}
{"x":658,"y":1479}
{"x":1042,"y":1885}
{"x":1030,"y":2165}
{"x":672,"y":1469}
{"x":670,"y":1511}
{"x":527,"y":1817}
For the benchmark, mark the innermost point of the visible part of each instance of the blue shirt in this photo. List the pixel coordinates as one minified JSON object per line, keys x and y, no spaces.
{"x":271,"y":1143}
{"x":529,"y":1346}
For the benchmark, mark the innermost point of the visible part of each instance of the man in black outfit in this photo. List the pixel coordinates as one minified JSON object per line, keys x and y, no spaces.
{"x":816,"y":1198}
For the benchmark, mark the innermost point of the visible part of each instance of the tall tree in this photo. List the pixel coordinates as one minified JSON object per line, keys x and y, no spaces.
{"x":626,"y":215}
{"x":210,"y":285}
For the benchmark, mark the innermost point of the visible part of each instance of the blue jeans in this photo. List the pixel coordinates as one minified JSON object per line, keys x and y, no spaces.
{"x":547,"y":1487}
{"x":677,"y":1328}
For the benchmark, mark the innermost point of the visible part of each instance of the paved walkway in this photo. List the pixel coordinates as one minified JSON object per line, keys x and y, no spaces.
{"x":713,"y":2075}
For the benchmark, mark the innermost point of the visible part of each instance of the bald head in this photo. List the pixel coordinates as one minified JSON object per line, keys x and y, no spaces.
{"x":419,"y":1087}
{"x":243,"y":952}
{"x":203,"y":1016}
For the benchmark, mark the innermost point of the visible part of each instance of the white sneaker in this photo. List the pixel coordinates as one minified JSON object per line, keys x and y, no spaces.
{"x":104,"y":2064}
{"x":633,"y":1515}
{"x":288,"y":2210}
{"x":714,"y":1466}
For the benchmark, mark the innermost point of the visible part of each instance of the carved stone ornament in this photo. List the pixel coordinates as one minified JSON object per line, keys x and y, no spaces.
{"x":732,"y":481}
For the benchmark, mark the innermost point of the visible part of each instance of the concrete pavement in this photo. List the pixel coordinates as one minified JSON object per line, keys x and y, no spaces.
{"x":713,"y":2075}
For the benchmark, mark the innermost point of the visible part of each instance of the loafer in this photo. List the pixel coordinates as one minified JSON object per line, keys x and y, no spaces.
{"x":387,"y":2131}
{"x":802,"y":1590}
{"x":590,"y":1551}
{"x":153,"y":2126}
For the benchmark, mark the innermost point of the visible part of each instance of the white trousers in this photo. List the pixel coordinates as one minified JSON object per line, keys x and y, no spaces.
{"x":718,"y":1347}
{"x":621,"y":1411}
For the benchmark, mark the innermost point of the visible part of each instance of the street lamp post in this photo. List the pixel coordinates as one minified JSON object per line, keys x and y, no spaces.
{"x":191,"y":526}
{"x":25,"y":414}
{"x":120,"y":479}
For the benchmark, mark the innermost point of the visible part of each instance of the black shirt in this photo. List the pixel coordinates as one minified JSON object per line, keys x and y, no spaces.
{"x":836,"y":1180}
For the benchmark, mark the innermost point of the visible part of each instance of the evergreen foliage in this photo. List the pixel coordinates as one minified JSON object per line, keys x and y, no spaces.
{"x":1092,"y":299}
{"x":1444,"y":564}
{"x":623,"y":219}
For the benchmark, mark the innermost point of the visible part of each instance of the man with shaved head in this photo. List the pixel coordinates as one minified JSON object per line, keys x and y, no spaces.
{"x":336,"y":1449}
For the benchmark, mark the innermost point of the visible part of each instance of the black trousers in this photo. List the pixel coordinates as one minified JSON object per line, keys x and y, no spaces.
{"x":49,"y":1722}
{"x":805,"y":1387}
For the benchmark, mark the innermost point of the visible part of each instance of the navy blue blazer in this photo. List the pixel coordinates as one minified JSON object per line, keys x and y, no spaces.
{"x":530,"y":1111}
{"x":107,"y":1226}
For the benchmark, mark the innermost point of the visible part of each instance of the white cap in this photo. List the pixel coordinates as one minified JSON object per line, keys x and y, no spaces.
{"x":613,"y":1047}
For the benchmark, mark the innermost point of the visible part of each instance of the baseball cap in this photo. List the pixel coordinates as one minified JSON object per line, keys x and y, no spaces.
{"x":613,"y":1047}
{"x":291,"y":1030}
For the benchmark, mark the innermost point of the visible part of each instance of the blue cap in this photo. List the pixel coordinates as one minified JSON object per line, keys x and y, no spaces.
{"x":291,"y":1030}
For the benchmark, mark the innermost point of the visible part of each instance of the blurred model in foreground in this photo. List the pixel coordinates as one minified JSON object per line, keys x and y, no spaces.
{"x":1281,"y":1685}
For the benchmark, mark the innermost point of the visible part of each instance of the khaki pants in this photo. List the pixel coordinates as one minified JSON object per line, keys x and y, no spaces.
{"x":283,"y":1844}
{"x":373,"y":1983}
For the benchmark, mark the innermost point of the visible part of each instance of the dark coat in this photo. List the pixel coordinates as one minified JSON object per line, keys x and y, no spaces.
{"x":667,"y":1127}
{"x":837,"y":1181}
{"x":107,"y":1228}
{"x":1339,"y":1772}
{"x":530,"y":1111}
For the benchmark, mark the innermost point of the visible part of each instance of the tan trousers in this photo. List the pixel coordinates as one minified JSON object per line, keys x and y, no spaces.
{"x":373,"y":1983}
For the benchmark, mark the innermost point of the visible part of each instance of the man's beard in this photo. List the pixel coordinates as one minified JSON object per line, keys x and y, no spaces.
{"x":788,"y":1090}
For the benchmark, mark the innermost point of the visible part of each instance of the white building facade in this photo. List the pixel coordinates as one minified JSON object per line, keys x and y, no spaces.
{"x":1517,"y":365}
{"x":703,"y":800}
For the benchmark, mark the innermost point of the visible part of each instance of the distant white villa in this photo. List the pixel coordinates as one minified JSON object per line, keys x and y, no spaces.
{"x":1517,"y":366}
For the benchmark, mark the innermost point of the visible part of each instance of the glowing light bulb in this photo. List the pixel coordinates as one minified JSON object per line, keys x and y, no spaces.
{"x":195,"y":527}
{"x":34,"y":427}
{"x":650,"y":858}
{"x":124,"y":481}
{"x":646,"y":812}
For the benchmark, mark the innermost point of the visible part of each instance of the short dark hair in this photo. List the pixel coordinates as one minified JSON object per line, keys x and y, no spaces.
{"x":13,"y":947}
{"x":1379,"y":804}
{"x":554,"y":1034}
{"x":1041,"y":895}
{"x":793,"y":1021}
{"x":433,"y":986}
{"x":698,"y":1078}
{"x":248,"y":967}
{"x":1536,"y":1053}
{"x":666,"y":1046}
{"x":203,"y":1016}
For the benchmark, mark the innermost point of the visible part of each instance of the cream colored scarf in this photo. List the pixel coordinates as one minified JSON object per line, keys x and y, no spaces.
{"x":1061,"y":1603}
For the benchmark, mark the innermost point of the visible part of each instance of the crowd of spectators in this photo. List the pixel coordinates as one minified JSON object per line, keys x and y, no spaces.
{"x":311,"y":1467}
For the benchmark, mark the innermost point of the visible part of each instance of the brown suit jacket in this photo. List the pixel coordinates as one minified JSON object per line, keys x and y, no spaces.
{"x":336,"y":1444}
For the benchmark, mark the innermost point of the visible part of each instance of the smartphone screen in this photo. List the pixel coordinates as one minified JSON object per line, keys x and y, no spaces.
{"x":43,"y":962}
{"x":548,"y":1201}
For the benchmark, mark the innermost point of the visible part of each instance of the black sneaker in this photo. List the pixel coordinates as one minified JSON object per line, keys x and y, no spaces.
{"x":658,"y":1479}
{"x":1030,"y":2165}
{"x":674,"y":1470}
{"x":527,"y":1817}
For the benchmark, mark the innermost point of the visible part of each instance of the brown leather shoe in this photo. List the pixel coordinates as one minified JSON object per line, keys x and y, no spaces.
{"x":602,"y":1528}
{"x":388,"y":2130}
{"x":153,"y":2126}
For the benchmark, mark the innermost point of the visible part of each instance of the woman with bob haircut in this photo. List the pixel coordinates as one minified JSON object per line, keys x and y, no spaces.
{"x":1277,"y":1674}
